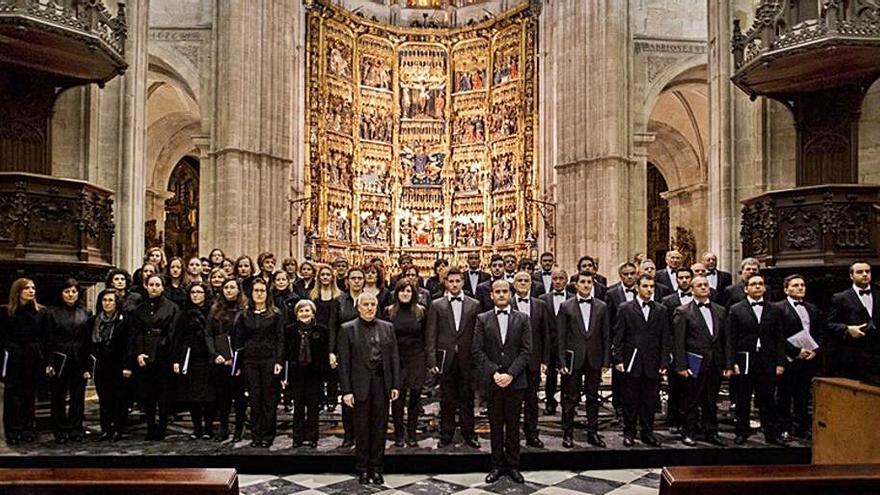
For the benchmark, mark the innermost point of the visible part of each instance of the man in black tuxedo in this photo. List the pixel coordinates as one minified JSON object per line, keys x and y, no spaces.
{"x":854,"y":320}
{"x":640,"y":348}
{"x":718,"y":279}
{"x":340,"y":266}
{"x":666,"y":276}
{"x":554,"y":300}
{"x":474,"y":276}
{"x":484,"y":290}
{"x":793,"y":391}
{"x":539,"y":317}
{"x":699,"y":332}
{"x":699,"y":270}
{"x":545,"y":274}
{"x":510,"y":268}
{"x":617,"y":294}
{"x":502,"y":347}
{"x":449,"y":332}
{"x":588,"y":264}
{"x":584,"y":353}
{"x":757,"y":356}
{"x":647,"y":267}
{"x":735,"y":293}
{"x":369,"y":374}
{"x":675,"y":417}
{"x":528,"y":265}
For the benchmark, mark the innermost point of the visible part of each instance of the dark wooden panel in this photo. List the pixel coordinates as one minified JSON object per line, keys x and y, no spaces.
{"x":850,"y":479}
{"x":119,"y":481}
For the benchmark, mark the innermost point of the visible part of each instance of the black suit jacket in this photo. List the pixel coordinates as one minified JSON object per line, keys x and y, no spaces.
{"x":724,"y":280}
{"x":538,"y":278}
{"x":354,"y":359}
{"x":599,"y":289}
{"x":592,"y":349}
{"x":440,"y":333}
{"x":690,"y":334}
{"x":672,"y":302}
{"x":551,"y":322}
{"x":732,"y":294}
{"x":614,"y":297}
{"x":511,"y":357}
{"x":662,"y":277}
{"x":745,"y":331}
{"x":539,"y":318}
{"x":852,"y":354}
{"x":649,"y":340}
{"x":791,"y":324}
{"x":472,"y":290}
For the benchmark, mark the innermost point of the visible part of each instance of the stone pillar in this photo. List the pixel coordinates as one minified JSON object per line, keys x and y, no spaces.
{"x":597,"y":195}
{"x":131,"y":181}
{"x":253,"y":126}
{"x":207,"y":194}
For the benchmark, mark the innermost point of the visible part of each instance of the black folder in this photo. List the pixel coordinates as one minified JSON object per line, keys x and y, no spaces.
{"x":59,"y":361}
{"x":441,"y":361}
{"x":569,"y":360}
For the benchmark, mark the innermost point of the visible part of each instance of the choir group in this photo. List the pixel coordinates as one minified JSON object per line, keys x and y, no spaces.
{"x":217,"y":335}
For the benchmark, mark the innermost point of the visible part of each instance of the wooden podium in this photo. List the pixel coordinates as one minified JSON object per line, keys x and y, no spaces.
{"x":846,"y":422}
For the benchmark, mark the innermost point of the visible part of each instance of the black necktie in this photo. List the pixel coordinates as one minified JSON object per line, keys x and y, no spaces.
{"x":704,"y":305}
{"x":558,"y":293}
{"x":501,"y":312}
{"x":757,"y":303}
{"x":455,"y":298}
{"x":522,"y":299}
{"x":585,"y":301}
{"x":685,"y":294}
{"x":865,"y":292}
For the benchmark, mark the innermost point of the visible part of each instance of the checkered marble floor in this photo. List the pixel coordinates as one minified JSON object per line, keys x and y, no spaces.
{"x":611,"y":482}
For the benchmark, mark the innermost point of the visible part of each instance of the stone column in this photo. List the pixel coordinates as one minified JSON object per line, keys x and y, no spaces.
{"x":597,"y":203}
{"x":131,"y":185}
{"x":252,"y":128}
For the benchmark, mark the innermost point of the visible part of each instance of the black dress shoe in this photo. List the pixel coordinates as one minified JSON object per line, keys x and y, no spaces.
{"x":364,"y":479}
{"x":629,"y":442}
{"x":494,"y":475}
{"x":535,"y":442}
{"x":715,"y":440}
{"x":378,"y":479}
{"x":398,"y":442}
{"x":549,"y":410}
{"x":105,"y":436}
{"x":312,"y":444}
{"x":472,"y":442}
{"x":296,"y":444}
{"x":255,"y":443}
{"x":222,"y":436}
{"x":739,"y":439}
{"x":347,"y":443}
{"x":568,"y":442}
{"x":688,"y":441}
{"x":412,"y":443}
{"x":516,"y":476}
{"x":595,"y":440}
{"x":651,"y":440}
{"x":28,"y":438}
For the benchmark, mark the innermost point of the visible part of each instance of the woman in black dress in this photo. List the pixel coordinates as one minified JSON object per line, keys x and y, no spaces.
{"x":109,"y":346}
{"x":24,"y":328}
{"x":120,"y":281}
{"x":283,"y":295}
{"x":244,"y":272}
{"x":152,"y":325}
{"x":307,"y":355}
{"x":408,"y":318}
{"x":228,"y":389}
{"x":68,"y":363}
{"x":175,"y":283}
{"x":216,"y":279}
{"x":325,"y":295}
{"x":258,"y":337}
{"x":192,"y":361}
{"x":306,"y":281}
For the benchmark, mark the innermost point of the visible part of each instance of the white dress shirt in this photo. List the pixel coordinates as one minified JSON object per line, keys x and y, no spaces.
{"x":867,"y":300}
{"x":503,"y":316}
{"x":672,"y":278}
{"x":474,"y":278}
{"x":707,"y":317}
{"x":548,"y":281}
{"x":646,"y":308}
{"x":802,"y":313}
{"x":758,"y":309}
{"x":456,"y":309}
{"x":628,"y":292}
{"x":685,"y":299}
{"x":557,"y":301}
{"x":713,"y":279}
{"x":524,"y":306}
{"x":586,"y":311}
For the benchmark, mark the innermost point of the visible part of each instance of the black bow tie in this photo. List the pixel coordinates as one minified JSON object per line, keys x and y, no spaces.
{"x":685,"y":294}
{"x":704,"y":305}
{"x":522,"y":299}
{"x":455,"y":298}
{"x":585,"y":301}
{"x":646,"y":303}
{"x":475,"y":272}
{"x":558,"y":293}
{"x":546,"y":274}
{"x":630,"y":290}
{"x":798,"y":303}
{"x":710,"y":272}
{"x":865,"y":292}
{"x":501,"y":312}
{"x":757,"y":303}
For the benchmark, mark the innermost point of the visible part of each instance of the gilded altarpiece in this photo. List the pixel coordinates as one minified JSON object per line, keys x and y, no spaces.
{"x":420,"y":140}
